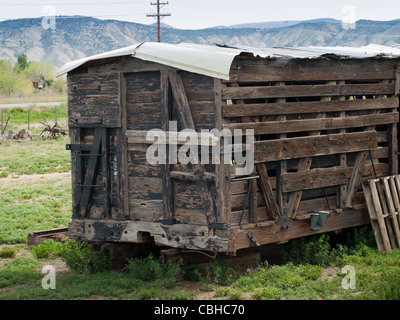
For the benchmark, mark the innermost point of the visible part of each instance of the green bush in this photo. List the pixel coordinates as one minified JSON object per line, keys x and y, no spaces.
{"x":47,"y":249}
{"x":8,"y":252}
{"x":149,"y":269}
{"x":81,"y":258}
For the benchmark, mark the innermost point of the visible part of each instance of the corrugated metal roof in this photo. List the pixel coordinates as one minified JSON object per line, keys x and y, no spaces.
{"x":216,"y":61}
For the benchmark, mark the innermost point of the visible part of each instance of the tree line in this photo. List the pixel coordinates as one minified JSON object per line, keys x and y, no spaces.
{"x":16,"y":79}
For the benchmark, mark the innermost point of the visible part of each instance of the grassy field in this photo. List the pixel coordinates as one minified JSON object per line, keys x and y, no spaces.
{"x":35,"y":194}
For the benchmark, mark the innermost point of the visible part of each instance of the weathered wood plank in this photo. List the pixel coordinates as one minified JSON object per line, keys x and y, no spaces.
{"x":379,"y":215}
{"x":355,"y":178}
{"x":302,"y":147}
{"x":91,"y":172}
{"x":269,"y":195}
{"x":372,"y":214}
{"x":276,"y":127}
{"x":274,"y":233}
{"x":242,"y":110}
{"x":94,"y":97}
{"x":122,"y":156}
{"x":166,"y":104}
{"x":306,"y":91}
{"x":257,"y":69}
{"x":186,"y":119}
{"x":392,"y":211}
{"x":176,"y":138}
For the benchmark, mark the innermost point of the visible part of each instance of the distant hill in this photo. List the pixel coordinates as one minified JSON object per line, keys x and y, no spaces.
{"x":77,"y":37}
{"x":282,"y":24}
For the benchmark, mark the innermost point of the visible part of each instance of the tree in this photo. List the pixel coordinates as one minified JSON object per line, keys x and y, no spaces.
{"x":11,"y":82}
{"x":42,"y":71}
{"x":22,"y":63}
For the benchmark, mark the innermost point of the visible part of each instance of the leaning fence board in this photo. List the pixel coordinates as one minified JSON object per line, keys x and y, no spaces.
{"x":382,"y":199}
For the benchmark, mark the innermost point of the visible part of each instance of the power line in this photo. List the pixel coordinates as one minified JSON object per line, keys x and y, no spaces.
{"x":159,"y":16}
{"x":73,"y":4}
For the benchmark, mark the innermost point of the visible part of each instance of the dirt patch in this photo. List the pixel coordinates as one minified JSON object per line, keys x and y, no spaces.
{"x":32,"y":177}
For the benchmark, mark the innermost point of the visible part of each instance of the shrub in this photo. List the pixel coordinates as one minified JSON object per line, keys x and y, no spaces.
{"x":47,"y":249}
{"x":149,"y":269}
{"x":81,"y":258}
{"x":8,"y":252}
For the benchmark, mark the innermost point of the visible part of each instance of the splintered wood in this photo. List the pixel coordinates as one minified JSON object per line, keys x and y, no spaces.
{"x":383,"y":202}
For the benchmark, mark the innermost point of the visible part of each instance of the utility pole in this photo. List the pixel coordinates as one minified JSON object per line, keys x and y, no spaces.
{"x":159,"y":16}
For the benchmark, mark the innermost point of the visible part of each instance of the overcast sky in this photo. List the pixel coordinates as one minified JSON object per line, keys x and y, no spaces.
{"x":196,"y":14}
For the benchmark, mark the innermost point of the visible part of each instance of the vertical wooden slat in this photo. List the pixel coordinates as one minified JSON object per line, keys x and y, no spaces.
{"x":122,"y":157}
{"x":269,"y":195}
{"x":373,"y":217}
{"x":253,"y":192}
{"x":355,"y":178}
{"x":105,"y":161}
{"x":379,"y":215}
{"x":342,"y":189}
{"x":186,"y":119}
{"x":392,"y":211}
{"x":168,"y":204}
{"x":222,"y":170}
{"x":386,"y":216}
{"x":281,"y":197}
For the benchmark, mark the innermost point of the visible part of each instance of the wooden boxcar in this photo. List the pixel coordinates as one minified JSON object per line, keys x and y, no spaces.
{"x":323,"y":122}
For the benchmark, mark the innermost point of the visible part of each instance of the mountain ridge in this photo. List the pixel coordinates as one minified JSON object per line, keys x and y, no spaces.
{"x":76,"y":37}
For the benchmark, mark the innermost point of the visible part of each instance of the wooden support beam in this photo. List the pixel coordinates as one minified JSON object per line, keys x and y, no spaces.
{"x":186,"y":119}
{"x":222,"y":170}
{"x":122,"y":155}
{"x":268,"y":194}
{"x":166,"y":107}
{"x":355,"y":178}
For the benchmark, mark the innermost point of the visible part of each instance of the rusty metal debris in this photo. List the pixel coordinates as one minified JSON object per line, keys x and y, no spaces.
{"x":37,"y":237}
{"x":52,"y":131}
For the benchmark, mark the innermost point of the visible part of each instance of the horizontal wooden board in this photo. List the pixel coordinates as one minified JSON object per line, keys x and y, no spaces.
{"x":248,"y":110}
{"x":275,"y":127}
{"x":315,"y":178}
{"x":245,"y":69}
{"x":291,"y":148}
{"x":94,"y":99}
{"x":318,"y":90}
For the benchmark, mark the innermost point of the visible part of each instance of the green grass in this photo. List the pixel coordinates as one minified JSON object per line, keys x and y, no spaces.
{"x":28,"y":205}
{"x":311,"y":269}
{"x":38,"y":156}
{"x":19,"y":119}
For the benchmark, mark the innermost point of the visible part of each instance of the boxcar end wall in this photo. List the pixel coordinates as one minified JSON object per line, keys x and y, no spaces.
{"x":322,"y":126}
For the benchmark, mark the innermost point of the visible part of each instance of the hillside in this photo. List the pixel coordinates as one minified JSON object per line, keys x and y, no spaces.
{"x":77,"y":37}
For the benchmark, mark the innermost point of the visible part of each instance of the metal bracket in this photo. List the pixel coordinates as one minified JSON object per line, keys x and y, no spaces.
{"x":318,"y":220}
{"x":78,"y":147}
{"x":253,"y":238}
{"x":222,"y":226}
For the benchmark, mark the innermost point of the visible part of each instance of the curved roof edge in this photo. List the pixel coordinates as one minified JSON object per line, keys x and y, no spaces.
{"x":216,"y":61}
